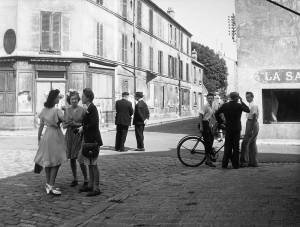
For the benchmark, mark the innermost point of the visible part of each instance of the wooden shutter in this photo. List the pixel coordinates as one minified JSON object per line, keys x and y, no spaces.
{"x":187,"y":72}
{"x":151,"y":21}
{"x":66,"y":33}
{"x":125,"y":48}
{"x":139,"y":13}
{"x":151,"y":58}
{"x":56,"y":29}
{"x":46,"y":20}
{"x":100,"y":48}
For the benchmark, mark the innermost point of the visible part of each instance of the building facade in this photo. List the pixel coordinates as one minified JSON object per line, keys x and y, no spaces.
{"x":73,"y":44}
{"x":269,"y":64}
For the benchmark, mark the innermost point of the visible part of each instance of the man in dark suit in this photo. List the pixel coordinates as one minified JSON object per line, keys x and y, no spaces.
{"x":232,"y":111}
{"x":124,"y":111}
{"x":140,"y":118}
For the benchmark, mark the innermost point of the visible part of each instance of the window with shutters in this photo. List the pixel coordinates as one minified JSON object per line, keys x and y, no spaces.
{"x":139,"y":54}
{"x":124,"y":48}
{"x":50,"y":31}
{"x":139,"y":13}
{"x":100,"y":44}
{"x":151,"y":21}
{"x":160,"y":62}
{"x":151,"y":58}
{"x":124,"y":8}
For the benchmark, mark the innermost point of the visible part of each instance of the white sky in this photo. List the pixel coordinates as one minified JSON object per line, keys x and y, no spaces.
{"x":206,"y":20}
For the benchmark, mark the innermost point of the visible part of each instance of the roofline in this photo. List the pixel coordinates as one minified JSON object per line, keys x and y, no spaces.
{"x":168,"y":16}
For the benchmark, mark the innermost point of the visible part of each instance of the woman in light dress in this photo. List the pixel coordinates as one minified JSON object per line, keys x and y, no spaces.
{"x":52,"y":148}
{"x":73,"y":120}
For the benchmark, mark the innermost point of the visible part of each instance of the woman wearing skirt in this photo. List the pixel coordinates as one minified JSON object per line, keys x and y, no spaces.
{"x":73,"y":120}
{"x":52,"y":148}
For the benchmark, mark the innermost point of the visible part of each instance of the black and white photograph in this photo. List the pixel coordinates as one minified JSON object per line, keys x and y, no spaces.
{"x":141,"y":113}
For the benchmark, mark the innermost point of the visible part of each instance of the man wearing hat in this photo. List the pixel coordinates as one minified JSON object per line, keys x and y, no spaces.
{"x":124,"y":111}
{"x":232,"y":111}
{"x":141,"y":115}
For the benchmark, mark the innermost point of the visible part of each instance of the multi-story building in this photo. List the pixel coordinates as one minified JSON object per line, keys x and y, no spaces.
{"x":75,"y":44}
{"x":269,"y":64}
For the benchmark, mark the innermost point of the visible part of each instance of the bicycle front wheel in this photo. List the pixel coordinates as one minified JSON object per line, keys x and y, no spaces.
{"x":191,"y":151}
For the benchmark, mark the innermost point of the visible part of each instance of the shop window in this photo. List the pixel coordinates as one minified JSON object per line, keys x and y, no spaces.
{"x":102,"y":87}
{"x":25,"y":92}
{"x":281,"y":105}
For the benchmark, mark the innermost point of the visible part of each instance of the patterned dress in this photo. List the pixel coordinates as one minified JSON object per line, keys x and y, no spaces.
{"x":73,"y":141}
{"x":52,"y":147}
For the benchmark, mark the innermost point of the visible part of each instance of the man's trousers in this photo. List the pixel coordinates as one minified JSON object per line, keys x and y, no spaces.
{"x":139,"y":134}
{"x":121,"y":135}
{"x":249,"y":147}
{"x":231,"y":150}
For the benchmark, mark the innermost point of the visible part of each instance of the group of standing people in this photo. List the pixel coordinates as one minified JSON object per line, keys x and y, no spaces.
{"x":82,"y":131}
{"x":228,"y":117}
{"x":82,"y":126}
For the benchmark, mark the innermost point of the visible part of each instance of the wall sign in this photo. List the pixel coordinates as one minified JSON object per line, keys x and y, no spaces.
{"x":278,"y":76}
{"x":9,"y":41}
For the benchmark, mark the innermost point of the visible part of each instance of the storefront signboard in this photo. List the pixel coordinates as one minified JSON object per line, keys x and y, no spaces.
{"x":278,"y":76}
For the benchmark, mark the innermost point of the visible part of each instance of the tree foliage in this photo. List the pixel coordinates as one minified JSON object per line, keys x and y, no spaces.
{"x":215,"y":72}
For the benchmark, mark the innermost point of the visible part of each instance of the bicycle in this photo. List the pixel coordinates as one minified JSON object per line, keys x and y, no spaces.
{"x":191,"y":151}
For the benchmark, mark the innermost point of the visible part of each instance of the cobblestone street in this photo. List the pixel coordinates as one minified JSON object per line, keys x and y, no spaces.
{"x":152,"y":188}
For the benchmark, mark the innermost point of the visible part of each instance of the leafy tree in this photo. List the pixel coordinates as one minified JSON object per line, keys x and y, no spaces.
{"x":215,"y":72}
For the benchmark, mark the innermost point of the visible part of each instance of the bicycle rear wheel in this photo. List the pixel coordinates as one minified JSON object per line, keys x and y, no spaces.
{"x":191,"y":151}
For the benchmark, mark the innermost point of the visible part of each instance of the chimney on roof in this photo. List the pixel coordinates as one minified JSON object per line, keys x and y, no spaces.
{"x":171,"y":12}
{"x":194,"y":54}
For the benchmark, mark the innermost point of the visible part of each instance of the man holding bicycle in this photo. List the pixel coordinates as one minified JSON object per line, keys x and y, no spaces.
{"x":207,"y":123}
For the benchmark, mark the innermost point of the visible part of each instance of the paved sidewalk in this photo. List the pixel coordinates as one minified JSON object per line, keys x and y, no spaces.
{"x":152,"y":188}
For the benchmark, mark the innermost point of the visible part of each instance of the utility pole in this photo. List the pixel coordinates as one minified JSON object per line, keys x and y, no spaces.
{"x":133,"y":31}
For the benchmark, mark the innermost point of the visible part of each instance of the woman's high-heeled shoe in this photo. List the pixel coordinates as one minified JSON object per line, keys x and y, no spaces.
{"x":53,"y":191}
{"x":47,"y":189}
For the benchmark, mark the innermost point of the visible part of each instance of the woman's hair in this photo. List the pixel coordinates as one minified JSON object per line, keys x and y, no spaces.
{"x":72,"y":93}
{"x":50,"y":102}
{"x":89,"y":94}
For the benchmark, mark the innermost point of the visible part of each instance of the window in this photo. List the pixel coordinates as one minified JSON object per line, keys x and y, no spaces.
{"x":50,"y":31}
{"x":100,"y":2}
{"x":200,"y":76}
{"x":139,"y":13}
{"x":139,"y":54}
{"x":100,"y":51}
{"x":175,"y":37}
{"x":187,"y":72}
{"x":188,"y":46}
{"x":171,"y":34}
{"x":151,"y":58}
{"x":180,"y":69}
{"x":175,"y":68}
{"x":7,"y":92}
{"x":281,"y":105}
{"x":124,"y":8}
{"x":160,"y":62}
{"x":170,"y":66}
{"x":124,"y":57}
{"x":195,"y":99}
{"x":151,"y":21}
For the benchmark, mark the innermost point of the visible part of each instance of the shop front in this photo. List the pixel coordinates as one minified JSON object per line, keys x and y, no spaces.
{"x":277,"y":93}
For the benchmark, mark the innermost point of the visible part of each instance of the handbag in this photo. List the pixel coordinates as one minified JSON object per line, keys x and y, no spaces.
{"x":90,"y":150}
{"x":37,"y":168}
